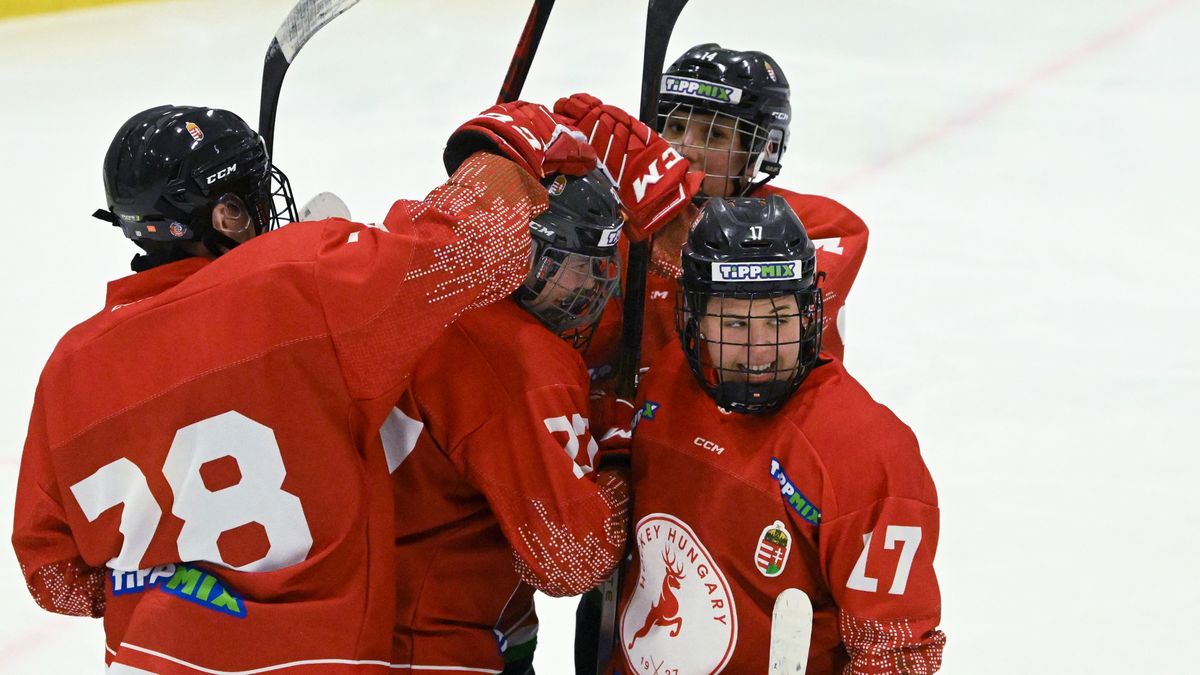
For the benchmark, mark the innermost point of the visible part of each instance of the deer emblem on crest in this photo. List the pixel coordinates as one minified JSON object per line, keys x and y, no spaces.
{"x":665,"y":611}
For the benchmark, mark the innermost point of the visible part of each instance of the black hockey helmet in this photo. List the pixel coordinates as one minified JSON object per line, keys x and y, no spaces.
{"x":749,"y":98}
{"x":168,"y":166}
{"x":749,"y":311}
{"x":575,"y":266}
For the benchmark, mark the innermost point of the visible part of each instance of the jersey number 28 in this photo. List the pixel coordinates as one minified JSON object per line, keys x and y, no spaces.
{"x":258,"y":497}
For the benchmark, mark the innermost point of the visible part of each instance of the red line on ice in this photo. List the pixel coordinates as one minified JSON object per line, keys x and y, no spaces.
{"x":1017,"y":89}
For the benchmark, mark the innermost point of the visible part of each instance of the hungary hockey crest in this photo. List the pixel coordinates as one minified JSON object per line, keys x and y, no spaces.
{"x":774,"y":544}
{"x":680,"y":617}
{"x":196,"y":132}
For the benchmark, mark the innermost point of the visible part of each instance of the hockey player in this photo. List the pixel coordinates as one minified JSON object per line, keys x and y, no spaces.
{"x":203,"y":467}
{"x":499,"y":490}
{"x":759,"y":466}
{"x":728,"y":112}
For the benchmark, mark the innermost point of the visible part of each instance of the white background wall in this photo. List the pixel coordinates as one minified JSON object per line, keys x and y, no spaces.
{"x":1027,"y":305}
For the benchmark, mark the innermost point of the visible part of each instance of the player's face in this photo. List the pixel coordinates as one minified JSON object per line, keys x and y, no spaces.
{"x":753,"y":341}
{"x":564,"y":280}
{"x":712,"y":144}
{"x":573,"y":288}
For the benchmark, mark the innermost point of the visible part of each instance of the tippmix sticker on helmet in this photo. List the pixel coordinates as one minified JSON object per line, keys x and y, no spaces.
{"x":765,"y":271}
{"x":196,"y":132}
{"x":709,"y":91}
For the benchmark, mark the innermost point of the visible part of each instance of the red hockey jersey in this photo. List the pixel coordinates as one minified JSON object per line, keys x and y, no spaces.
{"x":204,"y":467}
{"x":493,"y":470}
{"x":828,"y":495}
{"x":841,"y":241}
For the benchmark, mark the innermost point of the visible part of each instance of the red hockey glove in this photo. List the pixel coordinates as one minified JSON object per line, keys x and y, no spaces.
{"x":612,"y":427}
{"x":527,"y":134}
{"x":651,"y":177}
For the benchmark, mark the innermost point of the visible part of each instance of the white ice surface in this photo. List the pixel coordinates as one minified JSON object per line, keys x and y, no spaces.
{"x":1028,"y":304}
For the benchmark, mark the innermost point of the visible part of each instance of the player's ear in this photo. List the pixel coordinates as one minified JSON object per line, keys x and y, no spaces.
{"x":231,"y":218}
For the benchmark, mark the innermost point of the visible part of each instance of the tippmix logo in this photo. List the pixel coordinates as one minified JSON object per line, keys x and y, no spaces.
{"x":709,"y":91}
{"x":793,"y":496}
{"x":774,"y":271}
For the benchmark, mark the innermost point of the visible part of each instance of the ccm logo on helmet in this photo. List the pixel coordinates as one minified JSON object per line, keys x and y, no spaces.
{"x":780,"y":271}
{"x":229,"y":170}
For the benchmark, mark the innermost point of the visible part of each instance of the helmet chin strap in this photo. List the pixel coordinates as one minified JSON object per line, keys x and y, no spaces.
{"x":151,"y":259}
{"x":747,"y":178}
{"x":751,"y":187}
{"x":218,"y":243}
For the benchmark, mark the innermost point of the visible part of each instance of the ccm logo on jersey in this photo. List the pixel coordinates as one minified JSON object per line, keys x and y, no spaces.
{"x":780,"y":271}
{"x":708,"y":445}
{"x":227,"y":171}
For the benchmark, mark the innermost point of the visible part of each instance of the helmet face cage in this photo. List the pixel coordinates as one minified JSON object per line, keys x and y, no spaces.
{"x":750,"y":351}
{"x":731,"y":150}
{"x":567,"y":290}
{"x":714,"y":89}
{"x":283,"y":204}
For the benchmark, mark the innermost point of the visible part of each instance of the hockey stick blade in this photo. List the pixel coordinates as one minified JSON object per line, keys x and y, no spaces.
{"x":791,"y":632}
{"x":306,"y":18}
{"x":324,"y":205}
{"x":522,"y":58}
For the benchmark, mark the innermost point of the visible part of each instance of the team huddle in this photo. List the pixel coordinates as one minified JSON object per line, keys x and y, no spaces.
{"x":338,"y":447}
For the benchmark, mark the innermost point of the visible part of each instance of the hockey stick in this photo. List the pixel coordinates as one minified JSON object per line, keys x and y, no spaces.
{"x":791,"y":632}
{"x":522,"y":58}
{"x":303,"y":22}
{"x":660,"y":22}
